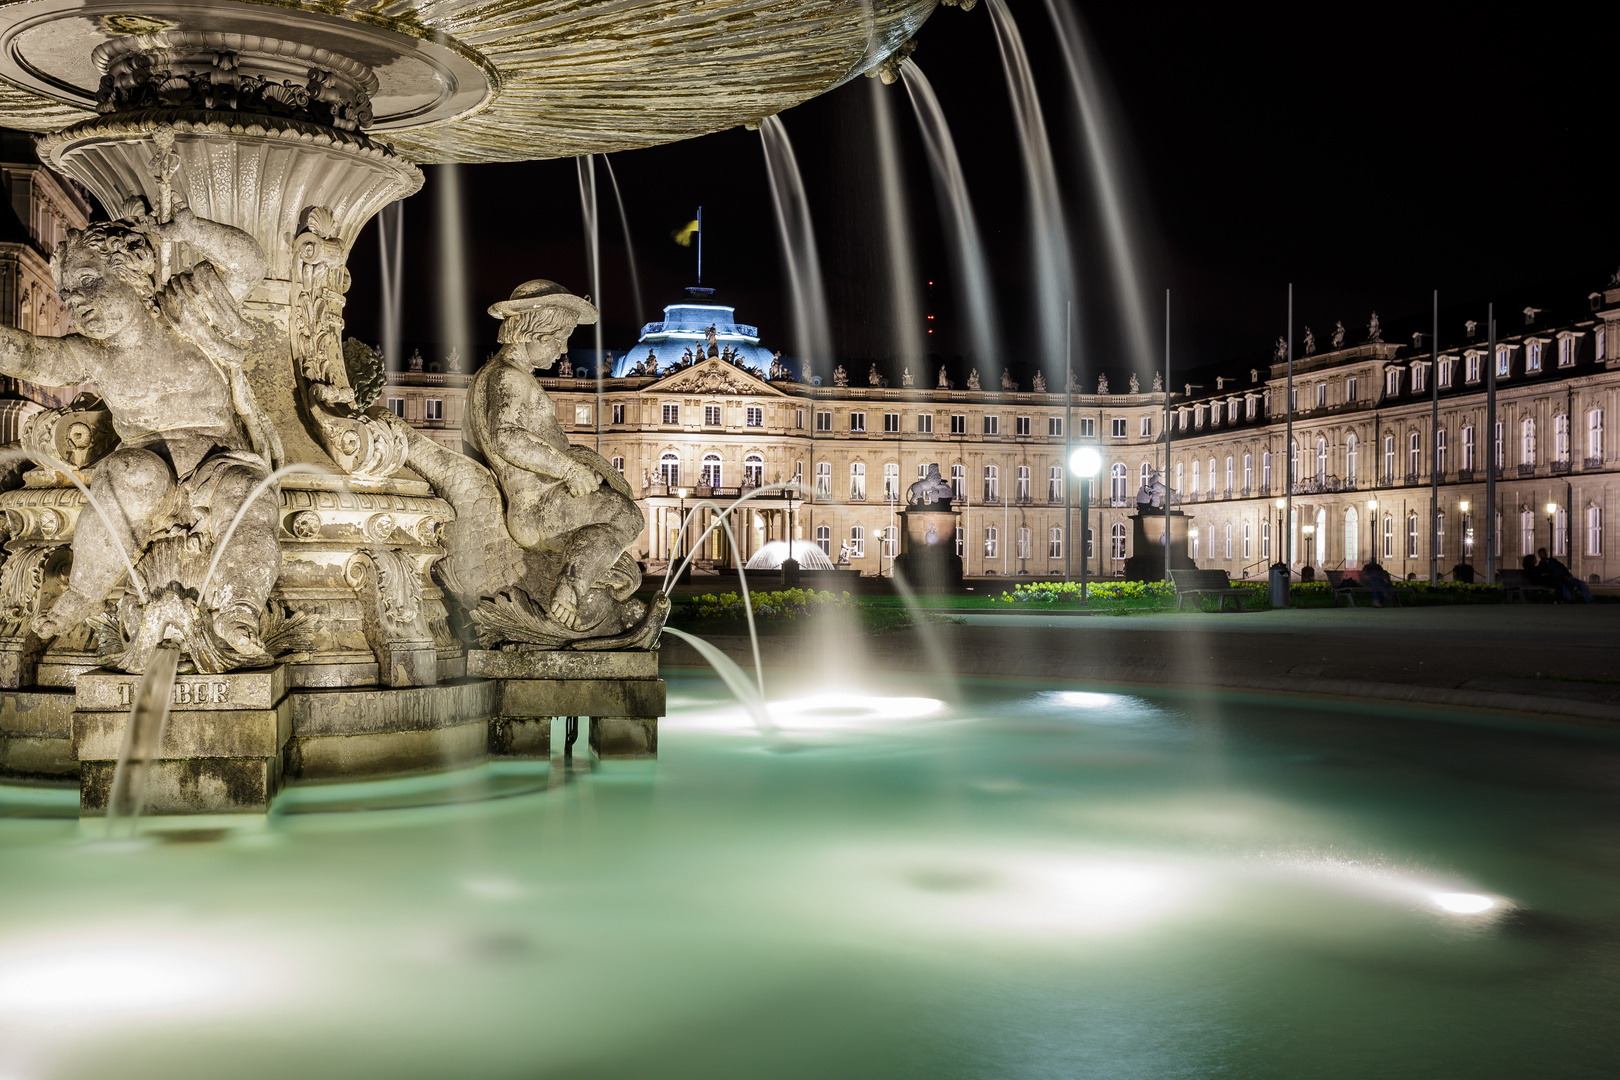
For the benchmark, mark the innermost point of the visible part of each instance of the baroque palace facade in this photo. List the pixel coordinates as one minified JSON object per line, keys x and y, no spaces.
{"x":720,"y":425}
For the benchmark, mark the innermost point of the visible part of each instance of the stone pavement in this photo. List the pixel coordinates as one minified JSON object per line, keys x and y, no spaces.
{"x":1543,"y":660}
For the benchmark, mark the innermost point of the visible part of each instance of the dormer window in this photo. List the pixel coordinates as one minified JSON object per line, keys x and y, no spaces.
{"x":1448,"y":366}
{"x":1417,"y":378}
{"x":1566,"y":351}
{"x":1473,"y":367}
{"x":1502,"y":362}
{"x":1532,"y":356}
{"x":1392,"y":382}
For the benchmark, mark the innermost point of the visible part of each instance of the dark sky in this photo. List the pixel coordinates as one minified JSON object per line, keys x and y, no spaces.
{"x":1368,"y":153}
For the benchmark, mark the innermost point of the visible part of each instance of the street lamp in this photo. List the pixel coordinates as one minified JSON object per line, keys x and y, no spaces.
{"x":1552,"y":524}
{"x":1372,"y":530}
{"x":680,"y":534}
{"x":1309,"y":531}
{"x":1084,"y":463}
{"x":1468,"y":529}
{"x":1192,"y":535}
{"x":1282,"y":552}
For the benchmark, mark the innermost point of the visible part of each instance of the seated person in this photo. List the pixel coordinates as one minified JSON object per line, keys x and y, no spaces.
{"x":1555,"y":573}
{"x":1376,"y":580}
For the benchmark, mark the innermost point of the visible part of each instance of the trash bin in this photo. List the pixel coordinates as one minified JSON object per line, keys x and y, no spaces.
{"x":1279,"y":585}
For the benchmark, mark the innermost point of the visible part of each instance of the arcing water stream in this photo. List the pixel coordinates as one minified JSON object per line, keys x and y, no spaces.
{"x":391,"y":245}
{"x":812,"y":331}
{"x":904,"y":301}
{"x":629,"y":245}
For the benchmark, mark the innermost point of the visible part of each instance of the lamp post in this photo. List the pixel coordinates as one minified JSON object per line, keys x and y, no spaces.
{"x":1309,"y":531}
{"x":681,"y":539}
{"x":1192,"y":535}
{"x":1084,"y":463}
{"x":1282,"y":557}
{"x":1552,"y":529}
{"x":1468,"y":531}
{"x":1372,"y":530}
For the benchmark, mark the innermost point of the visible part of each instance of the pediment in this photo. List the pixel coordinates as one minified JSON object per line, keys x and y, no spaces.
{"x":714,"y":376}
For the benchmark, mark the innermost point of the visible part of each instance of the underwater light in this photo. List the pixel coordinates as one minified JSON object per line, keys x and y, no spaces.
{"x":1462,"y":903}
{"x":832,"y":711}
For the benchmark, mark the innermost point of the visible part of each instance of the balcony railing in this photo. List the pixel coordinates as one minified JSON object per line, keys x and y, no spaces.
{"x":1560,"y":468}
{"x":1414,"y":478}
{"x":1465,"y":476}
{"x":1593,"y":462}
{"x":1527,"y":470}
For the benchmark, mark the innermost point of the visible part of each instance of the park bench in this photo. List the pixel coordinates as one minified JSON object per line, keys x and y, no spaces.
{"x":1202,"y":583}
{"x":1352,"y":588}
{"x":1515,"y":583}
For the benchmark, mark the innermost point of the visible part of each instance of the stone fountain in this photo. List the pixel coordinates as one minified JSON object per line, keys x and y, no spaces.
{"x":350,"y":599}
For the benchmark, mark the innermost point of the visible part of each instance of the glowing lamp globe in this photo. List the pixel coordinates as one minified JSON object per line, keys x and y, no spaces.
{"x":1085,"y":461}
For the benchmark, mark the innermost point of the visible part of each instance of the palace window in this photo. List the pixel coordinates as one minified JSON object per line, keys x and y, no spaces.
{"x":1594,"y":530}
{"x":891,"y":423}
{"x":1116,"y":542}
{"x":1088,"y":427}
{"x":992,"y":484}
{"x":1350,"y":389}
{"x":891,"y":542}
{"x":1468,"y":447}
{"x":1023,"y":542}
{"x":1143,"y":474}
{"x":1389,"y":459}
{"x":925,"y":423}
{"x":1265,"y":469}
{"x":711,"y":470}
{"x":1600,"y":338}
{"x":1117,"y":482}
{"x":1447,"y":364}
{"x":992,"y":425}
{"x":958,"y":423}
{"x":990,"y":538}
{"x":1392,"y":382}
{"x":1350,"y":459}
{"x":1212,"y":476}
{"x":1147,"y":423}
{"x":1561,"y":437}
{"x":618,"y":465}
{"x":1021,"y":425}
{"x":823,"y":421}
{"x":1440,"y":451}
{"x":824,"y":539}
{"x":396,"y":405}
{"x":1054,"y":543}
{"x":961,"y":541}
{"x":1473,"y":367}
{"x":1321,"y":459}
{"x":891,"y":480}
{"x":669,"y":468}
{"x":857,"y":481}
{"x":1091,"y":544}
{"x":1527,"y":532}
{"x":1248,"y":541}
{"x":1293,"y":462}
{"x":1389,"y":536}
{"x":1532,"y":356}
{"x":711,"y":416}
{"x":1179,"y":488}
{"x":857,"y":542}
{"x":959,"y":482}
{"x":1411,"y":536}
{"x":1321,"y":395}
{"x":1023,"y":483}
{"x":1229,"y":473}
{"x":1248,"y":472}
{"x":1502,"y":362}
{"x":1054,"y":426}
{"x":1439,"y":534}
{"x":1054,"y":484}
{"x":1414,"y":454}
{"x":1265,"y":539}
{"x":1352,"y":537}
{"x":1253,"y":408}
{"x":1293,"y":401}
{"x":754,"y":470}
{"x":857,"y":422}
{"x":1228,"y":540}
{"x":755,"y":416}
{"x":1594,"y":435}
{"x":618,"y":414}
{"x":1561,"y":533}
{"x":1501,"y":447}
{"x":1194,"y":474}
{"x":1566,"y":352}
{"x":1527,"y":441}
{"x":672,"y":413}
{"x":798,"y":419}
{"x":435,"y":410}
{"x":824,"y":479}
{"x":1117,"y":427}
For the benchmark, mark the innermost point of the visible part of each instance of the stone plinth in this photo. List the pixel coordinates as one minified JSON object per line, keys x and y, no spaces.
{"x":36,"y":735}
{"x":619,"y":691}
{"x":928,"y":559}
{"x":1149,"y":546}
{"x":221,"y":747}
{"x":340,"y":734}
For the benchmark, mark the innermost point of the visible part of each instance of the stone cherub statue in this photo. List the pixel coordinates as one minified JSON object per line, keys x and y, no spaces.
{"x":930,"y":489}
{"x":539,"y":551}
{"x":166,"y":356}
{"x":1040,"y":383}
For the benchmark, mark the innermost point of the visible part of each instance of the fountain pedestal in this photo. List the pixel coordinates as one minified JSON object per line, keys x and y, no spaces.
{"x":220,"y":752}
{"x":620,"y":691}
{"x":928,"y":560}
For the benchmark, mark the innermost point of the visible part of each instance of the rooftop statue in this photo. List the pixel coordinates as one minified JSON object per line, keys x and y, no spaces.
{"x":905,"y":377}
{"x":973,"y":379}
{"x":932,"y":488}
{"x":554,"y":568}
{"x":1310,"y":342}
{"x":1040,"y":383}
{"x":1152,"y":492}
{"x":1007,"y":381}
{"x":873,"y":378}
{"x":944,"y":383}
{"x":1279,"y":352}
{"x":166,"y":357}
{"x":1102,"y":384}
{"x":1158,"y":383}
{"x":1375,"y":332}
{"x":452,"y":362}
{"x":1338,"y":334}
{"x":778,"y":370}
{"x":1136,"y":384}
{"x":415,"y":362}
{"x":711,"y":337}
{"x":840,"y":376}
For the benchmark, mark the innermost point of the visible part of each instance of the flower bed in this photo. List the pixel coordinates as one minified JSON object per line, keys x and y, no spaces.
{"x":783,"y":605}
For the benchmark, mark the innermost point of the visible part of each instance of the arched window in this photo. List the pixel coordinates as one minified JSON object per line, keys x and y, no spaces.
{"x":857,"y":542}
{"x":992,"y":484}
{"x":1228,"y":540}
{"x":891,"y":542}
{"x":1144,"y":471}
{"x":1411,"y":536}
{"x":1414,"y":454}
{"x":711,"y":470}
{"x":1389,"y":536}
{"x":1023,"y":542}
{"x":1527,"y":441}
{"x":857,"y":481}
{"x":1468,"y":447}
{"x":1350,"y":459}
{"x":1248,"y":541}
{"x":1352,"y":537}
{"x":1054,"y":484}
{"x":990,"y":539}
{"x":1212,"y":476}
{"x":754,"y":470}
{"x":824,"y":479}
{"x":1321,"y":459}
{"x":1248,"y":473}
{"x":1440,"y":452}
{"x":824,"y":539}
{"x":891,"y":481}
{"x":1265,"y":471}
{"x":1116,"y":482}
{"x":1116,"y":542}
{"x":1023,"y":483}
{"x":669,"y":468}
{"x":1054,"y":542}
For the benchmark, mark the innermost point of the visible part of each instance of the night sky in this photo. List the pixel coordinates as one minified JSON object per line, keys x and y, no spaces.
{"x":1367,"y":153}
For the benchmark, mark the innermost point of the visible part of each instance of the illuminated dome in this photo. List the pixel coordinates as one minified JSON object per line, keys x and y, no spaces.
{"x":771,"y":555}
{"x":686,"y":325}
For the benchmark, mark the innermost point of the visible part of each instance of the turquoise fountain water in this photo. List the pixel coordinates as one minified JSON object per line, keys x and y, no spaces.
{"x":1026,"y":880}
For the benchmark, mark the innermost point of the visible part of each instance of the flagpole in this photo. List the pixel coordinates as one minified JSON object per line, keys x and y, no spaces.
{"x":700,"y":244}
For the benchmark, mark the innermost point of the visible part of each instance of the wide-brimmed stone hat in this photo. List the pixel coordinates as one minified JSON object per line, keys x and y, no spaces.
{"x":540,"y":293}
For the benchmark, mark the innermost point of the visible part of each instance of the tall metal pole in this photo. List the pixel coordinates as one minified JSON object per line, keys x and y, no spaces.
{"x":1165,"y":479}
{"x":1288,"y":447}
{"x":1434,"y":446}
{"x":1085,"y":523}
{"x":1491,"y":539}
{"x":1068,"y":443}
